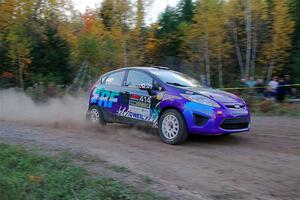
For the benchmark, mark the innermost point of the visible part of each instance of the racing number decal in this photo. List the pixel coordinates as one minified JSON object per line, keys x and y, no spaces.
{"x":145,"y":99}
{"x":139,"y":101}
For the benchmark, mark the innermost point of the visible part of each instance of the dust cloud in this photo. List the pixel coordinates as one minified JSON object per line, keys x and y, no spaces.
{"x":67,"y":112}
{"x":16,"y":106}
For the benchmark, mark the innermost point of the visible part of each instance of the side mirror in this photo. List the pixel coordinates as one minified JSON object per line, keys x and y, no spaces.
{"x":144,"y":86}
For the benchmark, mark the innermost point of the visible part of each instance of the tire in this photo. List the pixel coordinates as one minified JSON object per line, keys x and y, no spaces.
{"x":94,"y":116}
{"x":172,"y":127}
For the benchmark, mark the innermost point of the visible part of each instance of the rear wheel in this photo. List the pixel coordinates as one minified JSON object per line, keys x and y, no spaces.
{"x":94,"y":115}
{"x":172,"y":127}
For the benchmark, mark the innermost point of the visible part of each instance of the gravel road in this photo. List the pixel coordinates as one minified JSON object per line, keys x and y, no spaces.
{"x":262,"y":164}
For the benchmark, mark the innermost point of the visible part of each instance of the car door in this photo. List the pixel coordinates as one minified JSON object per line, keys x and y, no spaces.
{"x":108,"y":94}
{"x":137,"y":103}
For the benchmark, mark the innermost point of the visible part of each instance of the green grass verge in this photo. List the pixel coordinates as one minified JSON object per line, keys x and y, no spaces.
{"x":28,"y":176}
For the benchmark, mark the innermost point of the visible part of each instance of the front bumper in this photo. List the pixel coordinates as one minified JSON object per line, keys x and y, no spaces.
{"x":215,"y":121}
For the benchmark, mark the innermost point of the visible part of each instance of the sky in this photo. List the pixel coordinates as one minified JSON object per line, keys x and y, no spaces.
{"x":152,"y":12}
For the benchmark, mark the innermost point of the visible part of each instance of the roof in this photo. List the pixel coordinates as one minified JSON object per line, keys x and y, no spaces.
{"x":147,"y":68}
{"x":139,"y":67}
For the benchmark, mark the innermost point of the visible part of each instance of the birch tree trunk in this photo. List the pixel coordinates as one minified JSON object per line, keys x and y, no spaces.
{"x":248,"y":27}
{"x":125,"y":54}
{"x":206,"y":56}
{"x":253,"y":56}
{"x":220,"y":71}
{"x":21,"y":66}
{"x":238,"y":49}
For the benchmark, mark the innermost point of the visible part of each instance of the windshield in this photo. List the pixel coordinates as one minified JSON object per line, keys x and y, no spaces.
{"x":176,"y":78}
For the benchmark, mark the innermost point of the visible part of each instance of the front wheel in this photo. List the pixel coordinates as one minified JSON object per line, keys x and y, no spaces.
{"x":94,"y":115}
{"x":172,"y":127}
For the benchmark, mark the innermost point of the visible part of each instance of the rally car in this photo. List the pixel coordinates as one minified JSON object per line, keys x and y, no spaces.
{"x":175,"y":103}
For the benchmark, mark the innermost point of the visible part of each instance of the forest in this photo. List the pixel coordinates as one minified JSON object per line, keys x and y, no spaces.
{"x":221,"y":41}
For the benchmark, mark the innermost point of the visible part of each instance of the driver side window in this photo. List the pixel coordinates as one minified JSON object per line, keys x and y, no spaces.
{"x":137,"y":77}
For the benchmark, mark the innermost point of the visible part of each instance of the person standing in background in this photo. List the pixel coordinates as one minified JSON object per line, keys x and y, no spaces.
{"x":242,"y":86}
{"x":281,"y":90}
{"x":272,"y":87}
{"x":290,"y":90}
{"x":260,"y":88}
{"x":250,"y":84}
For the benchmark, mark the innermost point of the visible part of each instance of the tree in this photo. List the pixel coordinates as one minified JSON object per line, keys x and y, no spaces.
{"x":186,"y":10}
{"x":6,"y":16}
{"x":50,"y":59}
{"x":235,"y":13}
{"x":136,"y":46}
{"x":248,"y":22}
{"x":169,"y":38}
{"x":207,"y":36}
{"x":248,"y":28}
{"x":151,"y":47}
{"x":107,"y":13}
{"x":277,"y":51}
{"x":259,"y":23}
{"x":19,"y":50}
{"x":295,"y":56}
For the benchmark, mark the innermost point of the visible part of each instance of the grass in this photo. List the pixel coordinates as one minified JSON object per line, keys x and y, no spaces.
{"x":268,"y":108}
{"x":272,"y":108}
{"x":28,"y":176}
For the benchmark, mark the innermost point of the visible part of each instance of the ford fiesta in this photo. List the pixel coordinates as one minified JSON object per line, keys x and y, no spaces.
{"x":174,"y":102}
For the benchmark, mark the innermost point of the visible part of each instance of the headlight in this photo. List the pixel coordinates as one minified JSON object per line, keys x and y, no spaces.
{"x":201,"y":100}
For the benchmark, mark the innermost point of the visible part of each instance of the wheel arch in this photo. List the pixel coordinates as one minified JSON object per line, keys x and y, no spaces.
{"x":102,"y":119}
{"x":93,"y":104}
{"x":171,"y":108}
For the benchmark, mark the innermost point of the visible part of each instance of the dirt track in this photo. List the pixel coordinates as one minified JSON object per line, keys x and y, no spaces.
{"x":262,"y":164}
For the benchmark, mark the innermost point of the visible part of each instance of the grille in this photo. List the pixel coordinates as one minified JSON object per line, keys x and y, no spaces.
{"x":199,"y":120}
{"x":235,"y":123}
{"x":234,"y":106}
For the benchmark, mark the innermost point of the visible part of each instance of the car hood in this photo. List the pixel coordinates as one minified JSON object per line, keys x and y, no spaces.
{"x":217,"y":95}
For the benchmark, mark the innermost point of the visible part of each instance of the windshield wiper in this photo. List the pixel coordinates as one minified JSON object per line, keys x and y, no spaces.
{"x":176,"y":84}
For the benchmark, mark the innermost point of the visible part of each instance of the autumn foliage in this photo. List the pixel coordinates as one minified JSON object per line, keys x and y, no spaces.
{"x":222,"y":41}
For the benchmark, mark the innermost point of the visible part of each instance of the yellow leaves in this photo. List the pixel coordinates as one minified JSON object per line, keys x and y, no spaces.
{"x":27,"y":61}
{"x":97,"y":28}
{"x":210,"y":22}
{"x":259,"y":10}
{"x":281,"y":29}
{"x":152,"y":40}
{"x":52,"y":1}
{"x":6,"y":12}
{"x":35,"y":179}
{"x":140,"y":15}
{"x":18,"y":45}
{"x":68,"y":32}
{"x":152,"y":43}
{"x":122,"y":12}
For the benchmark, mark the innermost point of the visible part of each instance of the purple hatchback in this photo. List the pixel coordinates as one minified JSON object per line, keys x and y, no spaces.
{"x":174,"y":102}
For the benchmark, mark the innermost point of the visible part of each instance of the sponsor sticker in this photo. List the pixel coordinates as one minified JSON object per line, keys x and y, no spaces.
{"x":104,"y":98}
{"x":138,"y":110}
{"x":126,"y":112}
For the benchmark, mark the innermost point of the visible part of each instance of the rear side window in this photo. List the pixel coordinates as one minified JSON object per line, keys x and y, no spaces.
{"x":115,"y":79}
{"x":135,"y":78}
{"x":102,"y":80}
